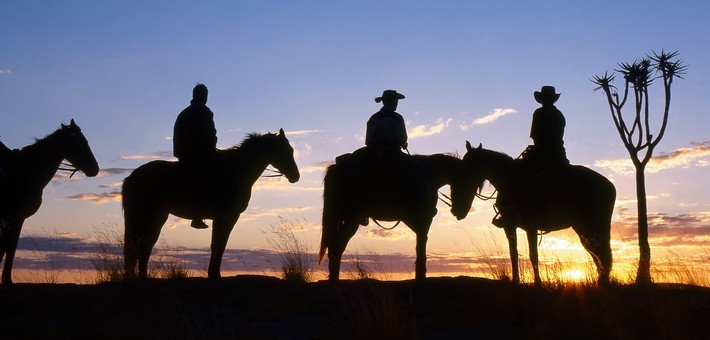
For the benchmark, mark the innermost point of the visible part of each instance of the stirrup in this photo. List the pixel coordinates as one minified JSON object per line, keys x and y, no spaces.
{"x":500,"y":221}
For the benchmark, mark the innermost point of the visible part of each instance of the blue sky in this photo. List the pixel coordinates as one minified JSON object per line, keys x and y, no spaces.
{"x":124,"y":70}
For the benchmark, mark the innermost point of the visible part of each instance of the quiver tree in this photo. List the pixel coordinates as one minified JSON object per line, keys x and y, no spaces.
{"x":635,"y":130}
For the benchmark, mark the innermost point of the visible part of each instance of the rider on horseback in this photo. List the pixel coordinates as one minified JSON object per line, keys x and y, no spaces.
{"x":547,"y":132}
{"x":386,"y":132}
{"x":195,"y":137}
{"x":547,"y":152}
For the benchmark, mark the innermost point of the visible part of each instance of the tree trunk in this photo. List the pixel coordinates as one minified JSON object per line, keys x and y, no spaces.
{"x":643,"y":276}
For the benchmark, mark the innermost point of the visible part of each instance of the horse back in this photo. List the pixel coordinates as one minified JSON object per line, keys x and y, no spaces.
{"x":148,"y":180}
{"x":570,"y":195}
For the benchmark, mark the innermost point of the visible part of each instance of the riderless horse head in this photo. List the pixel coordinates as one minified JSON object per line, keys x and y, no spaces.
{"x":469,"y":184}
{"x":78,"y":152}
{"x":283,"y":159}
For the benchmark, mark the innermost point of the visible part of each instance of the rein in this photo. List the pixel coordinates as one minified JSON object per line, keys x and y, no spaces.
{"x":68,"y":167}
{"x":486,"y":198}
{"x":446,"y":199}
{"x":276,"y":173}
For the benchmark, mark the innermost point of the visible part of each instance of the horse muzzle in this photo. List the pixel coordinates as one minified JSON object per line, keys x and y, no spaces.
{"x":91,"y":171}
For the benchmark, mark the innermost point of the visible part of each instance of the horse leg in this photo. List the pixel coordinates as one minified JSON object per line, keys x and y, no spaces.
{"x":10,"y":236}
{"x":532,"y":245}
{"x":145,"y":237}
{"x":420,"y":263}
{"x":145,"y":248}
{"x":221,"y":229}
{"x":599,"y":248}
{"x":339,"y":240}
{"x":130,"y":254}
{"x":513,"y":249}
{"x":131,"y":246}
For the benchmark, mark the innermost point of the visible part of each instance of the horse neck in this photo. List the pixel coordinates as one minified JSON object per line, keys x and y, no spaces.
{"x":440,"y":168}
{"x":40,"y":161}
{"x":497,"y":167}
{"x":251,"y":159}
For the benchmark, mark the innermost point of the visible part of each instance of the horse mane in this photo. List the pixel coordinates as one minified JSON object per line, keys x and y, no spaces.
{"x":497,"y":155}
{"x":253,"y":139}
{"x":48,"y":138}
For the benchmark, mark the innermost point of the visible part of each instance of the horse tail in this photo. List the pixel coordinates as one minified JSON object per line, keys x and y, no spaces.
{"x":329,"y":221}
{"x":130,"y":241}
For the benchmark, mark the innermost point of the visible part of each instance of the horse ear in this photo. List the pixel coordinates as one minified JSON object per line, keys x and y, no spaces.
{"x":281,"y":133}
{"x":480,"y":146}
{"x":72,"y":122}
{"x":468,"y":146}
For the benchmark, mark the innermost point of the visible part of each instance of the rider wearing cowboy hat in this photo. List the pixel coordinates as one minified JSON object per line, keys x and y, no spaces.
{"x":548,"y":151}
{"x":386,"y":132}
{"x":547,"y":130}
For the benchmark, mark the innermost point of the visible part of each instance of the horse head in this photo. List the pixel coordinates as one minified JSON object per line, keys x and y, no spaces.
{"x":282,"y":158}
{"x":77,"y":150}
{"x":467,"y":183}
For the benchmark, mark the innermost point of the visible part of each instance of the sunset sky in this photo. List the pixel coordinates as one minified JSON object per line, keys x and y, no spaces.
{"x":125,"y":70}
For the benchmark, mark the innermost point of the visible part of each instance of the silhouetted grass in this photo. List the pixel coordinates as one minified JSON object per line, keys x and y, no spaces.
{"x":367,"y":266}
{"x":297,"y":263}
{"x":557,"y":272}
{"x":109,"y":258}
{"x":48,"y":269}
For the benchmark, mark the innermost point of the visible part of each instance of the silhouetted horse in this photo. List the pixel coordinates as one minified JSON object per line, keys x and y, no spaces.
{"x":28,"y":171}
{"x":350,"y":198}
{"x":222,"y":193}
{"x":553,"y":200}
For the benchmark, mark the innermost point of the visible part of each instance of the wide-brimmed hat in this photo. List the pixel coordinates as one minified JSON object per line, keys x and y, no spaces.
{"x":546,"y":94}
{"x":389,"y":94}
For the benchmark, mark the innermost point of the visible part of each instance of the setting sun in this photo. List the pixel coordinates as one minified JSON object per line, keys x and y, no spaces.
{"x":574,"y":275}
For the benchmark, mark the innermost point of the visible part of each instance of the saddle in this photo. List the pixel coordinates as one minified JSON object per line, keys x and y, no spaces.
{"x":374,"y":165}
{"x":533,"y":173}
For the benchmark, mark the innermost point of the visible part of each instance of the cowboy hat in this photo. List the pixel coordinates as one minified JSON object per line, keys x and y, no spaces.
{"x":546,"y":94}
{"x":389,"y":94}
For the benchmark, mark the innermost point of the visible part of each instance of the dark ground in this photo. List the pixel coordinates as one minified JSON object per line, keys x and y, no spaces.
{"x":259,"y":307}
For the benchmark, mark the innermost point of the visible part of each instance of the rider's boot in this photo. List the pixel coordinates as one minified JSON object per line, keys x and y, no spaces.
{"x":199,"y":224}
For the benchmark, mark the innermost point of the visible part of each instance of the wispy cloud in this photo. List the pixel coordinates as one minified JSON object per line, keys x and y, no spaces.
{"x":98,"y":198}
{"x":280,"y":184}
{"x":116,"y":184}
{"x":105,"y":172}
{"x":256,"y":213}
{"x":429,"y":130}
{"x":696,"y":156}
{"x":689,"y":230}
{"x":301,"y":132}
{"x":392,"y":235}
{"x":5,"y":71}
{"x":490,"y":118}
{"x":152,"y":155}
{"x":316,"y":167}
